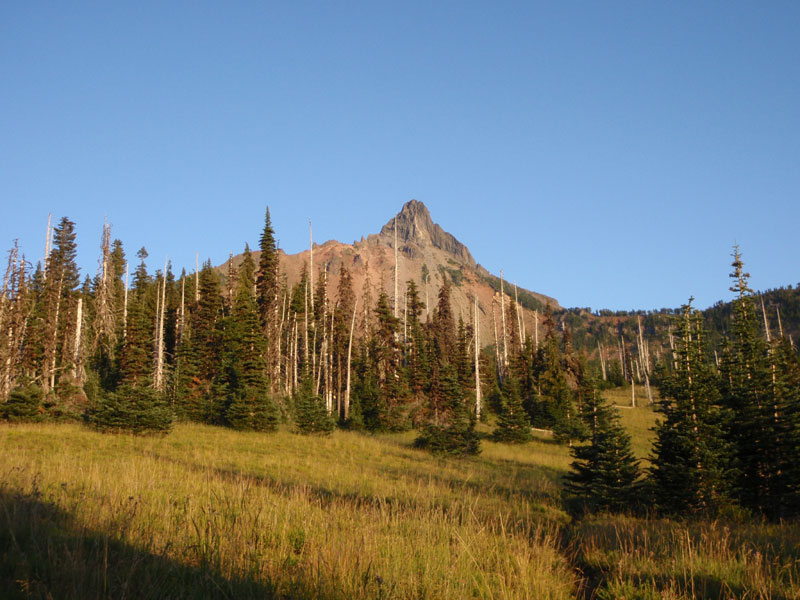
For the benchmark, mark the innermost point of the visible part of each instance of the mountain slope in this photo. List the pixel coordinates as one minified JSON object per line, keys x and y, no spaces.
{"x":427,"y":254}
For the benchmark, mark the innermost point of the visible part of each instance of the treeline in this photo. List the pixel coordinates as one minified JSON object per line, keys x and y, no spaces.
{"x":131,"y":349}
{"x":611,"y":337}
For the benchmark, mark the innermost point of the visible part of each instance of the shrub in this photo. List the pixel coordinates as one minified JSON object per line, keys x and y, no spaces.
{"x":23,"y":405}
{"x":138,"y":410}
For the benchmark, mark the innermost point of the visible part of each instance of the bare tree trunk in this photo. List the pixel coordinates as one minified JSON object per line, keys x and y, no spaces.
{"x":159,"y":378}
{"x":766,"y":324}
{"x":125,"y":304}
{"x":536,"y":328}
{"x":278,"y":356}
{"x":520,"y":328}
{"x":76,"y":350}
{"x":780,"y":325}
{"x":405,"y":318}
{"x":182,"y":320}
{"x":396,"y":293}
{"x":311,"y":263}
{"x":296,"y":353}
{"x":496,"y":341}
{"x":196,"y":277}
{"x":672,"y":349}
{"x":503,"y":317}
{"x":427,"y":313}
{"x":642,"y":350}
{"x":54,"y":341}
{"x":305,"y":328}
{"x":47,"y":245}
{"x":633,"y":387}
{"x":329,"y":383}
{"x":477,"y":364}
{"x":349,"y":363}
{"x":602,"y":360}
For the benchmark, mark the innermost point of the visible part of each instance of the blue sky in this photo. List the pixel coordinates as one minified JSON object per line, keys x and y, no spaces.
{"x":608,"y":154}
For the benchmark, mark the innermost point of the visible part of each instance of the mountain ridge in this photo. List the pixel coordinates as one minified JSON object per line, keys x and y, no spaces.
{"x":428,"y":254}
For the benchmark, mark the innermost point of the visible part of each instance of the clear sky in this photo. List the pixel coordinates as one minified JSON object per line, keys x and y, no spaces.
{"x":608,"y":154}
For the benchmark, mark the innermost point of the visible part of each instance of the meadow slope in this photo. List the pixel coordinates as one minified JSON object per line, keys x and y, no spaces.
{"x":207,"y":512}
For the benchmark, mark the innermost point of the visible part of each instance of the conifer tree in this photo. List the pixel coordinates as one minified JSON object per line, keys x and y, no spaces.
{"x":513,"y":425}
{"x":61,"y":281}
{"x":267,"y":290}
{"x":417,"y":352}
{"x":310,"y":414}
{"x":450,"y":428}
{"x":135,"y":359}
{"x":752,"y":419}
{"x":201,"y":395}
{"x":250,"y":406}
{"x":604,"y":475}
{"x":16,"y":305}
{"x":787,"y":390}
{"x":688,"y":463}
{"x":554,"y":407}
{"x":133,"y":409}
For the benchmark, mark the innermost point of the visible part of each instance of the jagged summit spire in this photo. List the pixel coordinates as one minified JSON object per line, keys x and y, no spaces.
{"x":415,"y":226}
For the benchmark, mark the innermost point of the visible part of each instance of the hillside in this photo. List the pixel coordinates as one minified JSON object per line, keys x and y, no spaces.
{"x":211,"y":513}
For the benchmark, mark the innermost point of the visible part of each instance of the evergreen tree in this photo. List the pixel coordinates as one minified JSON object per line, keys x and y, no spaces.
{"x":132,"y":409}
{"x":201,"y":393}
{"x":688,"y":463}
{"x":604,"y":473}
{"x":136,"y":359}
{"x":24,"y":404}
{"x":311,"y":416}
{"x":554,"y":407}
{"x":787,"y":390}
{"x":417,"y":355}
{"x":267,"y":290}
{"x":61,"y":279}
{"x":753,"y":421}
{"x":451,"y":421}
{"x":250,"y":406}
{"x":513,"y":425}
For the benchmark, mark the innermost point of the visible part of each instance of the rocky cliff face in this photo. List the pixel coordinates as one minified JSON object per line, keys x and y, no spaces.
{"x":428,"y":255}
{"x":416,"y":228}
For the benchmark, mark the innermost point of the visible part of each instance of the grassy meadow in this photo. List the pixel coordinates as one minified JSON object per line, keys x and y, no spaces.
{"x":207,"y":512}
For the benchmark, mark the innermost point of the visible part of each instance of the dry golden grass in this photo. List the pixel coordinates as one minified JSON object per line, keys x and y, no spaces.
{"x":207,"y":512}
{"x":211,"y":512}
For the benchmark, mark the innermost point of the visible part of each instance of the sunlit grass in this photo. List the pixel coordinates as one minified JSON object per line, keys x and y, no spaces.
{"x":208,"y":511}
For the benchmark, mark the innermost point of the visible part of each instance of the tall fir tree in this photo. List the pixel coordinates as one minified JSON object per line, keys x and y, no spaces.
{"x":688,"y":470}
{"x":250,"y":406}
{"x":752,"y":419}
{"x":450,"y":428}
{"x":267,"y":293}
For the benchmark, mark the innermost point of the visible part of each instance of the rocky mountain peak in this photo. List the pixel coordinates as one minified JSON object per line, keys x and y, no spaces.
{"x":415,"y":227}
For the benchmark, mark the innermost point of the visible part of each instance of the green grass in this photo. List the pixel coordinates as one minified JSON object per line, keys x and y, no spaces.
{"x":211,"y":513}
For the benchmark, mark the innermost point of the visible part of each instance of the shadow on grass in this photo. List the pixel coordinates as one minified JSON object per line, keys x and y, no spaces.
{"x":636,"y":557}
{"x":46,"y":553}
